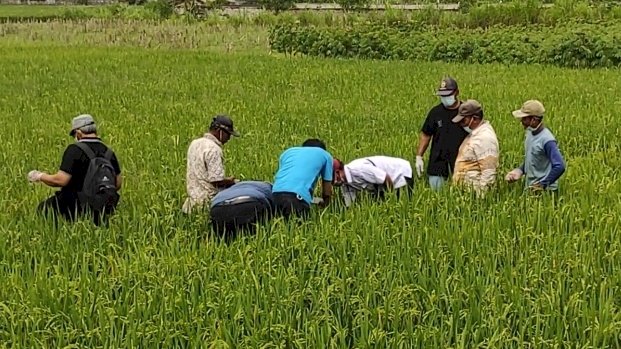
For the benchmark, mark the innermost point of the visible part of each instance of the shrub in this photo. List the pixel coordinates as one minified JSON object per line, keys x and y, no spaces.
{"x":570,"y":45}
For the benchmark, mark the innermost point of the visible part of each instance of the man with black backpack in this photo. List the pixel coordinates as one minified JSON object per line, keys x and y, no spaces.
{"x":89,"y":177}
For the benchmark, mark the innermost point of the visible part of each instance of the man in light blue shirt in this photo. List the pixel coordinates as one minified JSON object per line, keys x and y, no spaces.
{"x":299,"y":169}
{"x":543,"y":163}
{"x":240,"y":207}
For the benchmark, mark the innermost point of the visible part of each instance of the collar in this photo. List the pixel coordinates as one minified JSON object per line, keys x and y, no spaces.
{"x":538,"y":131}
{"x":90,"y":139}
{"x":213,"y":139}
{"x":482,"y":126}
{"x":347,"y":173}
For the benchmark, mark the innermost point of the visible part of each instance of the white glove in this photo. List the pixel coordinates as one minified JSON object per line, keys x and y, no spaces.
{"x":514,"y":175}
{"x":34,"y":176}
{"x":420,"y":165}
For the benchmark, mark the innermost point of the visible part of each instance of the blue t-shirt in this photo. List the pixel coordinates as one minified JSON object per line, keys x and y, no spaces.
{"x":299,"y":168}
{"x":258,"y":190}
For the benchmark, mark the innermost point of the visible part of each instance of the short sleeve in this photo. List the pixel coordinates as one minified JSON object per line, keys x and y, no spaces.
{"x":429,"y":126}
{"x":115,"y":164}
{"x":326,"y":174}
{"x":215,"y":165}
{"x":71,"y":158}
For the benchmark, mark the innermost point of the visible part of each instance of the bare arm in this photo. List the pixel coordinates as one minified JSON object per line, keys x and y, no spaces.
{"x":326,"y":192}
{"x":224,"y":183}
{"x":119,"y":182}
{"x":389,"y":183}
{"x":60,"y":179}
{"x":423,"y":143}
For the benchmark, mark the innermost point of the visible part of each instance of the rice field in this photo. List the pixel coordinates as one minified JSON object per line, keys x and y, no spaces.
{"x":442,"y":270}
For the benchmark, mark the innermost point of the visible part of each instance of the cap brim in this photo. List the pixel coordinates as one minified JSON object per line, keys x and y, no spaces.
{"x":71,"y":133}
{"x":519,"y":114}
{"x":234,"y":134}
{"x":444,"y":93}
{"x":458,"y":118}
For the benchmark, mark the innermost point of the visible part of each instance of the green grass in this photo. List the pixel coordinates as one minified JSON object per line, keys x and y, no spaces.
{"x":41,"y":10}
{"x":439,"y":271}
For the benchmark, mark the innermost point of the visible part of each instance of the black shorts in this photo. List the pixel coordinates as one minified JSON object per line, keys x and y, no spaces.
{"x":290,"y":204}
{"x":228,"y":219}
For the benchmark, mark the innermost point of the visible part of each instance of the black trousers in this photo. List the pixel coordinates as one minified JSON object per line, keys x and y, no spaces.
{"x":228,"y":220}
{"x":291,"y":204}
{"x":67,"y":205}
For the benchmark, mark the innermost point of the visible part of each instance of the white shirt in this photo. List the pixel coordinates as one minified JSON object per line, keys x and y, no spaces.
{"x":366,"y":173}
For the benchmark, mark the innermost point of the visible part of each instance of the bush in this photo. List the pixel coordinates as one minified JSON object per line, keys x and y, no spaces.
{"x":570,"y":45}
{"x":161,"y":8}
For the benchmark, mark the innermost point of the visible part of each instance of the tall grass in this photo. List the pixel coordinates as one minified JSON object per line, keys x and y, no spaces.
{"x":440,"y":270}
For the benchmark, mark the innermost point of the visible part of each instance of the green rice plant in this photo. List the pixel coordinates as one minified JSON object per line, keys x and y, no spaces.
{"x":441,"y":270}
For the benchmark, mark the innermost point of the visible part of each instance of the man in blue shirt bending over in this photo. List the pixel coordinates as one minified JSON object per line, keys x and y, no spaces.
{"x":299,"y":168}
{"x":543,"y":164}
{"x":240,"y":207}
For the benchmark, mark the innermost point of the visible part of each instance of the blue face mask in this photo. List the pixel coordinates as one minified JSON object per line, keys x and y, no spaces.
{"x":448,"y":100}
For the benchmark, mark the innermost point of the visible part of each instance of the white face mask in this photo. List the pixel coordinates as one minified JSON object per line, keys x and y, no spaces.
{"x":467,"y":128}
{"x":448,"y":100}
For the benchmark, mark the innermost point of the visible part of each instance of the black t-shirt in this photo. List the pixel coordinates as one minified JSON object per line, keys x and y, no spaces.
{"x":75,"y":162}
{"x":446,"y":139}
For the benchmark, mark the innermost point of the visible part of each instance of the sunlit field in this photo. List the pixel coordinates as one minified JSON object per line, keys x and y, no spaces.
{"x":442,"y":270}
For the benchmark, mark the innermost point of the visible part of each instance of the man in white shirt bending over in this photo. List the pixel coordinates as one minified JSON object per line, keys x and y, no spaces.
{"x":374,"y":174}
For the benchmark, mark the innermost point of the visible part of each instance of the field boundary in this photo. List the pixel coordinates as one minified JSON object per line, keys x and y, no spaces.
{"x":301,"y":6}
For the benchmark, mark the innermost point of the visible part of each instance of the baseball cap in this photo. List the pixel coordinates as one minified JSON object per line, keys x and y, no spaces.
{"x":531,"y":107}
{"x":448,"y":85}
{"x":468,"y":108}
{"x":81,"y":121}
{"x":225,"y":123}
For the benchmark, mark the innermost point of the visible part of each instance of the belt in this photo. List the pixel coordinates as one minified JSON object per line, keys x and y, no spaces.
{"x":238,"y":200}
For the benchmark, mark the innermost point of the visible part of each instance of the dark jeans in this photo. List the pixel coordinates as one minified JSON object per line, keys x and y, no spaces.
{"x":68,"y":206}
{"x":230,"y":219}
{"x":291,"y":204}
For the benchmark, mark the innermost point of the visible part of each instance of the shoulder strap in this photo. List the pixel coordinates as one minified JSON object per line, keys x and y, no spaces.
{"x":86,"y":149}
{"x":108,"y":154}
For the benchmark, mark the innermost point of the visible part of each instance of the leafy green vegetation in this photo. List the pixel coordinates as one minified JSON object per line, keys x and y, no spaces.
{"x":437,"y":271}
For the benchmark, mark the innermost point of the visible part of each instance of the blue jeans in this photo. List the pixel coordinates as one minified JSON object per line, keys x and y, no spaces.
{"x":436,"y":182}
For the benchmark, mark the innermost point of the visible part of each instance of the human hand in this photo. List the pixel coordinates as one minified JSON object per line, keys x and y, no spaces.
{"x":34,"y":176}
{"x":420,"y":165}
{"x":514,"y":175}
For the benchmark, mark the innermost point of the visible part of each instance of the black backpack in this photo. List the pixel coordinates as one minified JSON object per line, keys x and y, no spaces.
{"x":98,"y":192}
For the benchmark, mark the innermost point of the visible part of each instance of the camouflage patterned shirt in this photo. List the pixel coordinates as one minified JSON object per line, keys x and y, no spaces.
{"x":205,"y":164}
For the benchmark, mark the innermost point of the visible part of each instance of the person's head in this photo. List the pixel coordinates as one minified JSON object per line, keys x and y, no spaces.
{"x":448,"y":91}
{"x":222,"y":128}
{"x":314,"y":142}
{"x":83,"y":126}
{"x":470,"y":115}
{"x":338,"y":178}
{"x":530,"y":114}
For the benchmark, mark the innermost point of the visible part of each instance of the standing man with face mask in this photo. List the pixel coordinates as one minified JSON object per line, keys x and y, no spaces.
{"x":477,"y":159}
{"x":444,"y":135}
{"x":543,"y":164}
{"x":205,"y":164}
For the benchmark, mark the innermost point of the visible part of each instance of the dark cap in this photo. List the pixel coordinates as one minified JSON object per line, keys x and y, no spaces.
{"x":468,"y":108}
{"x":447,"y":86}
{"x":225,"y":123}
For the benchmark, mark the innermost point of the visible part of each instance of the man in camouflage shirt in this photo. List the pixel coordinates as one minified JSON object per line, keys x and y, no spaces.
{"x":205,"y":175}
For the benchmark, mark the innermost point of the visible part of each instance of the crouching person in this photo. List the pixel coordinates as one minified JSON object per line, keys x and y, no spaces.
{"x":240,"y":207}
{"x":373,"y":174}
{"x":89,"y":177}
